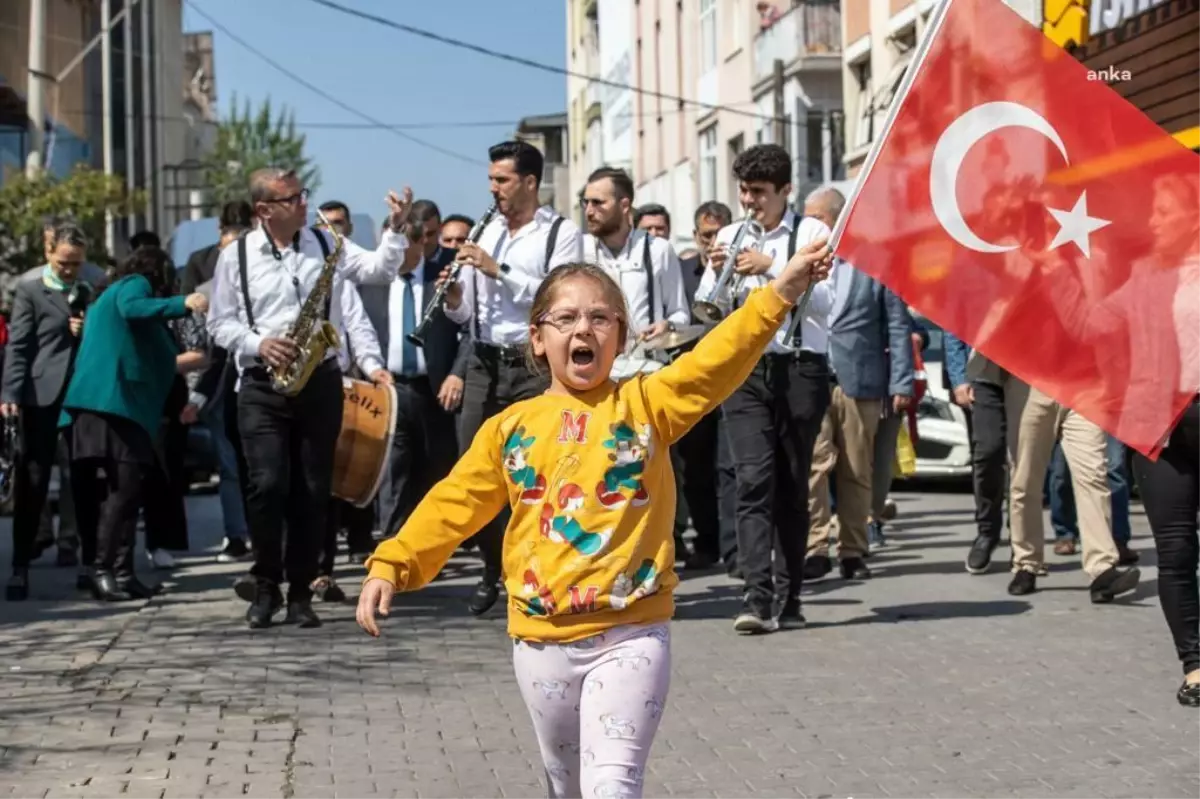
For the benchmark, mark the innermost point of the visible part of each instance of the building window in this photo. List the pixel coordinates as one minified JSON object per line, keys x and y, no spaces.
{"x":708,"y":35}
{"x":864,"y":111}
{"x":708,"y":164}
{"x":736,"y":145}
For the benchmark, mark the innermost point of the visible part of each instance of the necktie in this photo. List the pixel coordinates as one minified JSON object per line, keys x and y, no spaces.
{"x":408,"y":364}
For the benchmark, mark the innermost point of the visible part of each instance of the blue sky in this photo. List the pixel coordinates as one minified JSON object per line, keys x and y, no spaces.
{"x":395,"y":78}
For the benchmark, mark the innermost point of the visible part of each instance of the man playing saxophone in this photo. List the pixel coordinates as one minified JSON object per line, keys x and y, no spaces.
{"x":275,"y":291}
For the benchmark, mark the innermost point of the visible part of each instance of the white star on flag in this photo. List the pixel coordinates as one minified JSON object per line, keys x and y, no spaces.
{"x":1076,"y":226}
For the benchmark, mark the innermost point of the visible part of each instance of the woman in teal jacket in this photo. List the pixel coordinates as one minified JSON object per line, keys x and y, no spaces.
{"x":113,"y":407}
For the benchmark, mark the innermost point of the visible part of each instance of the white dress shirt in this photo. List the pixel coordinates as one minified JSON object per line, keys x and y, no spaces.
{"x":395,"y":353}
{"x":628,"y":270}
{"x":358,"y":335}
{"x":814,"y":329}
{"x":504,"y":302}
{"x":278,"y":288}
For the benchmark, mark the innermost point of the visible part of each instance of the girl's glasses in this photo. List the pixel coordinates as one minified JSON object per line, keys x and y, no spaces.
{"x":566,"y":321}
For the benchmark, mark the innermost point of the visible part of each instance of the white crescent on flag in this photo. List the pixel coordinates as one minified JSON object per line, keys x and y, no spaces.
{"x":951,"y":150}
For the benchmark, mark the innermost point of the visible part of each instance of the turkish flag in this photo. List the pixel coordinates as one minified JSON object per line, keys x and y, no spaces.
{"x":1041,"y":218}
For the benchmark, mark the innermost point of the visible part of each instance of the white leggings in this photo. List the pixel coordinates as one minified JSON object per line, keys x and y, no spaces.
{"x":596,"y":705}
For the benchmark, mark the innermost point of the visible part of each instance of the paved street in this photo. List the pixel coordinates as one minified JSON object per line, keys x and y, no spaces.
{"x":922,"y":682}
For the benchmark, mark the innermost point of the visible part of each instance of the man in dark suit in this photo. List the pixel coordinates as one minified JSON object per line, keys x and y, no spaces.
{"x":428,"y":378}
{"x":236,"y":217}
{"x":871,"y":366}
{"x":44,"y":334}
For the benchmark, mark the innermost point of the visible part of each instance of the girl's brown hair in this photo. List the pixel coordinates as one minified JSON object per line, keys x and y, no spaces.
{"x":548,"y":292}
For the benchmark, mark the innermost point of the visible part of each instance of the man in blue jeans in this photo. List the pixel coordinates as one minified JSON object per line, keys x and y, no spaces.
{"x":1062,"y":503}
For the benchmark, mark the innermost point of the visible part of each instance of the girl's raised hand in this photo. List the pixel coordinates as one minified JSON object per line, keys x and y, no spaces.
{"x":376,"y":596}
{"x":810,"y":264}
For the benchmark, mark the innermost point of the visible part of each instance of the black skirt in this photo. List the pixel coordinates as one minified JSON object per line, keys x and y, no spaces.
{"x":107,"y":437}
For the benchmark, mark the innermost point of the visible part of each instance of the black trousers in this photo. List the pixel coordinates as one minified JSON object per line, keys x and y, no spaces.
{"x":358,"y":523}
{"x":234,"y":434}
{"x":709,"y":493}
{"x":165,"y":510}
{"x":772,"y":422}
{"x":40,"y":444}
{"x":423,"y":448}
{"x":1170,"y":490}
{"x":495,"y":380}
{"x":108,"y":495}
{"x":289,"y":444}
{"x":989,"y":458}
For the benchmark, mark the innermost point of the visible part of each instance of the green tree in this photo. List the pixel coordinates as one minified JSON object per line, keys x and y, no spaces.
{"x":84,"y":195}
{"x":250,"y":140}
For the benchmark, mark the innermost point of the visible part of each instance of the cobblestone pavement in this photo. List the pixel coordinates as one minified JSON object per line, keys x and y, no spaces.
{"x":922,"y":682}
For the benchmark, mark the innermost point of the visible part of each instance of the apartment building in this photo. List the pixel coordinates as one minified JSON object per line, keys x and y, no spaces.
{"x":147,"y":73}
{"x":548,"y":133}
{"x":711,"y":78}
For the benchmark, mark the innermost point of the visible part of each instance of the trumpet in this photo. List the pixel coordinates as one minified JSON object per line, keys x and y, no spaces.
{"x":729,"y":284}
{"x":417,"y":336}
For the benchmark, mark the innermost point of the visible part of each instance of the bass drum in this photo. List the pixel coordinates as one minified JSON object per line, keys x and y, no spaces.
{"x":365,"y":443}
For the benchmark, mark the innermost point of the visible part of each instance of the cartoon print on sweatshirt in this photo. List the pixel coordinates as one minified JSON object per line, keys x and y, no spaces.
{"x":630,"y":451}
{"x":561,"y":526}
{"x":537,"y":598}
{"x":516,"y":463}
{"x":626,"y":590}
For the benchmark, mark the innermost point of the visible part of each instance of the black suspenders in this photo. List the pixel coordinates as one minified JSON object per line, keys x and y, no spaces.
{"x":244,"y":273}
{"x":551,"y":241}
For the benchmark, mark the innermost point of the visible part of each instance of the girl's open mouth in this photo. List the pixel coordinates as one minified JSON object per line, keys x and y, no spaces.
{"x":582,"y":355}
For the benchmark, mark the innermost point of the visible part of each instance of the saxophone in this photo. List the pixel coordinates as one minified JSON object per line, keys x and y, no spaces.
{"x":312,"y":334}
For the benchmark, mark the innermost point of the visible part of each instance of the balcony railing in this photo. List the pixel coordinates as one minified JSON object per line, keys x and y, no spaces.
{"x":811,"y":28}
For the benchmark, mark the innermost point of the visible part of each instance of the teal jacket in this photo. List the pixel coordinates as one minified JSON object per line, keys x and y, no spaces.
{"x":126,"y":360}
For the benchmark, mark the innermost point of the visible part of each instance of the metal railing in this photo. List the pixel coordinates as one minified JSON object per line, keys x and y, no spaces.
{"x":810,"y":28}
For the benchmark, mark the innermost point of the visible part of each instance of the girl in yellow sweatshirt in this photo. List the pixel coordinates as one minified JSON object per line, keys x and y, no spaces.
{"x":589,"y":553}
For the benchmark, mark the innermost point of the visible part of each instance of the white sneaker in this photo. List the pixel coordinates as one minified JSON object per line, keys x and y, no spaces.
{"x":161,"y":559}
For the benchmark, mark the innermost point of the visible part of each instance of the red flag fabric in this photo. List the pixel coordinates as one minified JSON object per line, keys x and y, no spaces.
{"x":1040,"y":217}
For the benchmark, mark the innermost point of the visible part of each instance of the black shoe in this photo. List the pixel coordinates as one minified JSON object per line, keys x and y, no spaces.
{"x":300,"y":612}
{"x":790,"y":615}
{"x":105,"y":588}
{"x":84,"y":580}
{"x":235,"y":549}
{"x":699,"y":561}
{"x":1126,"y":556}
{"x":1023,"y":583}
{"x":267,"y":600}
{"x":817,"y":566}
{"x":17,"y":589}
{"x":979,"y":558}
{"x":137,"y":589}
{"x":485,"y":595}
{"x":854,"y":569}
{"x":734,"y":571}
{"x":66,"y":558}
{"x":1189,"y":694}
{"x":246,"y":588}
{"x":1112,"y":583}
{"x":755,"y":619}
{"x":326,"y":589}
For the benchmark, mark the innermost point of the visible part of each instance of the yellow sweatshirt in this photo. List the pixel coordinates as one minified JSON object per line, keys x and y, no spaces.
{"x":592,"y":491}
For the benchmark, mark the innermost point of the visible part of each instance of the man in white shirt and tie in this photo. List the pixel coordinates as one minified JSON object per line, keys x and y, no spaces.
{"x":644,"y":266}
{"x":773,"y":418}
{"x":261,"y":283}
{"x":493,"y":295}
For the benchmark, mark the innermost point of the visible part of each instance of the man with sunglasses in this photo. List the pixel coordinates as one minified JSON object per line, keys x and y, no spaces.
{"x":261,"y":284}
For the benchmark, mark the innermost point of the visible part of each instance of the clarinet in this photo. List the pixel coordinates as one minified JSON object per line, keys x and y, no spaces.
{"x":435,"y":303}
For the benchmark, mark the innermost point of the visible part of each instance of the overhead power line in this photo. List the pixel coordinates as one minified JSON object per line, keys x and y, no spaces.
{"x":526,"y":62}
{"x":331,"y":98}
{"x":436,"y":125}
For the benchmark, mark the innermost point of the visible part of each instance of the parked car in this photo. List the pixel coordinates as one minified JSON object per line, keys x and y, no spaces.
{"x":943,"y":446}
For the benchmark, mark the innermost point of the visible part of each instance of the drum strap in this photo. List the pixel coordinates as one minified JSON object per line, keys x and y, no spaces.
{"x":649,"y":275}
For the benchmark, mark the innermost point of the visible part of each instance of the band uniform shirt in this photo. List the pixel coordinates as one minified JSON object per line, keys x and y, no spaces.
{"x":504,"y":303}
{"x":278,"y":288}
{"x":628,"y":269}
{"x":358,"y":337}
{"x":395,"y":353}
{"x":814,"y":329}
